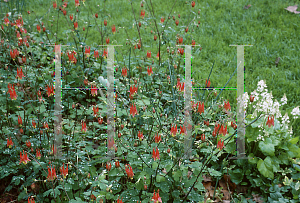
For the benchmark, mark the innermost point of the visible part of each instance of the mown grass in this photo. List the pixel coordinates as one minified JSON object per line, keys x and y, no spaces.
{"x":272,"y":30}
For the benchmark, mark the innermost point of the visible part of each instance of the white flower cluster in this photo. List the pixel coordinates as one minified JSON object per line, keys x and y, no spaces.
{"x":263,"y":102}
{"x":245,"y":99}
{"x":295,"y":112}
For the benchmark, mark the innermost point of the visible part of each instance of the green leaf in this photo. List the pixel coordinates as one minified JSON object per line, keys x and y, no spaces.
{"x":200,"y":186}
{"x":297,"y":186}
{"x":160,"y":178}
{"x":264,"y":170}
{"x":267,"y":147}
{"x":294,"y":140}
{"x":236,"y":175}
{"x":286,"y":181}
{"x":213,"y":172}
{"x":177,"y":175}
{"x":154,"y":165}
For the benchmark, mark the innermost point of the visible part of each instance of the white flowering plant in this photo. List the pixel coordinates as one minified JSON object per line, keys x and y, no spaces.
{"x":271,"y":146}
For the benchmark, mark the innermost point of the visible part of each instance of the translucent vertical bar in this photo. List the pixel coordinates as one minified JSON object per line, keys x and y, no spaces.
{"x":240,"y":105}
{"x":187,"y":106}
{"x":57,"y":107}
{"x":110,"y":102}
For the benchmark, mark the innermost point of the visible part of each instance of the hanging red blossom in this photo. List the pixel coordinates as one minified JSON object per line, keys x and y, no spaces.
{"x":133,"y":110}
{"x":155,"y":154}
{"x":142,"y":14}
{"x":156,"y":198}
{"x":270,"y":122}
{"x":174,"y":130}
{"x":96,"y":54}
{"x":9,"y":143}
{"x":38,"y":154}
{"x":94,"y":90}
{"x":83,"y":129}
{"x":150,"y":70}
{"x":20,"y":74}
{"x":23,"y":158}
{"x":220,"y":144}
{"x":129,"y":171}
{"x":12,"y":91}
{"x":157,"y":138}
{"x":124,"y":72}
{"x":51,"y":174}
{"x":50,"y":90}
{"x":63,"y":171}
{"x":140,"y":135}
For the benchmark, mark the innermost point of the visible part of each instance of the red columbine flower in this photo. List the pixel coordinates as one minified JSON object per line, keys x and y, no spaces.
{"x":141,"y":136}
{"x":223,"y":131}
{"x":108,"y":166}
{"x":251,"y":98}
{"x":207,"y":84}
{"x":28,"y":143}
{"x":9,"y":143}
{"x":46,"y":125}
{"x":214,"y":133}
{"x":38,"y":154}
{"x":75,"y":25}
{"x":117,"y":163}
{"x":38,"y":27}
{"x":201,"y":107}
{"x":181,"y":51}
{"x":227,"y":105}
{"x":133,"y":90}
{"x":193,"y":43}
{"x":72,"y":57}
{"x":64,"y":171}
{"x":77,"y":3}
{"x":124,"y":72}
{"x":93,"y":90}
{"x":24,"y":59}
{"x":71,"y":17}
{"x":177,"y":22}
{"x":96,"y":54}
{"x":142,"y":14}
{"x":12,"y":91}
{"x":220,"y":144}
{"x":233,"y":125}
{"x":162,"y":20}
{"x":150,"y":70}
{"x":19,"y":22}
{"x":180,"y":40}
{"x":54,"y":5}
{"x":96,"y":15}
{"x":129,"y":171}
{"x":133,"y":110}
{"x":95,"y":111}
{"x":64,"y":12}
{"x":6,"y":21}
{"x":23,"y":158}
{"x":100,"y":120}
{"x":51,"y":174}
{"x":105,"y":22}
{"x":33,"y":124}
{"x":149,"y":54}
{"x":156,"y":198}
{"x":157,"y":138}
{"x":50,"y":91}
{"x":107,"y":40}
{"x":20,"y":73}
{"x":83,"y":129}
{"x":155,"y":154}
{"x":104,"y":53}
{"x":88,"y":51}
{"x":120,"y":201}
{"x":53,"y":149}
{"x":31,"y":200}
{"x":20,"y":122}
{"x":174,"y":130}
{"x":193,"y":4}
{"x":203,"y":137}
{"x":181,"y":87}
{"x":14,"y":53}
{"x":113,"y":29}
{"x":270,"y":122}
{"x":182,"y":130}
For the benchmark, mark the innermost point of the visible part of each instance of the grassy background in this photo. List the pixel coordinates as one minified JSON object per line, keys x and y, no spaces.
{"x":272,"y":30}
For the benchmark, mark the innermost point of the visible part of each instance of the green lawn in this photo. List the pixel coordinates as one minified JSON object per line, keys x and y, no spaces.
{"x":272,"y":30}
